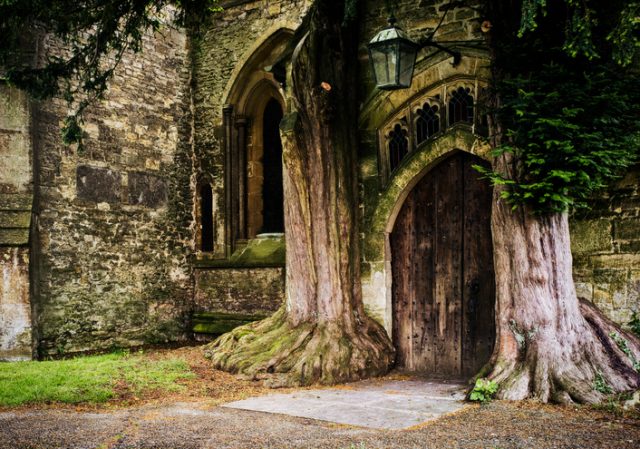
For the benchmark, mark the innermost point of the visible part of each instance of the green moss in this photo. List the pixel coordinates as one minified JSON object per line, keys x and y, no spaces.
{"x":15,"y":202}
{"x":266,"y":251}
{"x":589,"y":236}
{"x":14,"y":237}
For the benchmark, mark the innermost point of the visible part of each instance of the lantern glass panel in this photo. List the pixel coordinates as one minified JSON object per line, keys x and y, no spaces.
{"x":407,"y":52}
{"x":384,"y":61}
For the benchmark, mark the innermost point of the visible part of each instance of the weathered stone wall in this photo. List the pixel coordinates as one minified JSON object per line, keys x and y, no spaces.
{"x":15,"y":141}
{"x":115,"y":215}
{"x":16,"y":194}
{"x":605,"y":243}
{"x":239,"y":290}
{"x":15,"y":308}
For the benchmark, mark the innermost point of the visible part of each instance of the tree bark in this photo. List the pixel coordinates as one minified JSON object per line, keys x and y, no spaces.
{"x":550,"y":345}
{"x":322,"y":334}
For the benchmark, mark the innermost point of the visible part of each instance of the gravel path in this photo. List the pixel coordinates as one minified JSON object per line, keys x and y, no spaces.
{"x":201,"y":425}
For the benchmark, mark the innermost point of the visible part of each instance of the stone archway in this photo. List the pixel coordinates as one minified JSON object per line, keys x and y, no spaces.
{"x":255,"y":91}
{"x":379,"y":223}
{"x":442,"y":272}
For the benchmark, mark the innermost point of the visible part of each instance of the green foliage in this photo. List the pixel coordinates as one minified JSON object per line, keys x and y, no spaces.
{"x":601,"y":385}
{"x":623,"y":344}
{"x":634,"y":324}
{"x":95,"y":34}
{"x":484,"y":390}
{"x":568,"y":111}
{"x":87,"y":379}
{"x":624,"y":36}
{"x":572,"y":132}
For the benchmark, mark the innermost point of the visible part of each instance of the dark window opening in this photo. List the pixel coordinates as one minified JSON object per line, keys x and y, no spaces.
{"x":461,"y":106}
{"x":206,"y":218}
{"x":427,"y":123}
{"x":398,"y":146}
{"x":272,"y":193}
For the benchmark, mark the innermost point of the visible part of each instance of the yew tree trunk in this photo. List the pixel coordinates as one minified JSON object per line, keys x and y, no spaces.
{"x":322,"y":334}
{"x":550,"y":345}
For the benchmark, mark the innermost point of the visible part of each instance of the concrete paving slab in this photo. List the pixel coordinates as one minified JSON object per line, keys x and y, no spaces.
{"x":396,"y":404}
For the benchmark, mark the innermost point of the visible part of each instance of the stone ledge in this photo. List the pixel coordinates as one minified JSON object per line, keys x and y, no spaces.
{"x":217,"y":323}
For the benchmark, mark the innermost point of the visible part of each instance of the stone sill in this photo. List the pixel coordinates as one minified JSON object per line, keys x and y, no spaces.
{"x":226,"y":263}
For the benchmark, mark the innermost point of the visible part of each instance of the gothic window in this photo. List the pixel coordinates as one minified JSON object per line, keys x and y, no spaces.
{"x":461,"y":106}
{"x":398,"y":146}
{"x":272,"y":191}
{"x":206,"y":218}
{"x":427,"y":122}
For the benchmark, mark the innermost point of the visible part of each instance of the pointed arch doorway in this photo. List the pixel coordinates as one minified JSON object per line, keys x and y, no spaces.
{"x":442,"y":266}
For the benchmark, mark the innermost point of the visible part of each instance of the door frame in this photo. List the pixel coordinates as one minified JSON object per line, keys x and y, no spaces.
{"x":377,"y":280}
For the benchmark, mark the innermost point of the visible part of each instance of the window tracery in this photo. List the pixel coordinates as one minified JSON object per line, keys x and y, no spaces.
{"x":426,"y":116}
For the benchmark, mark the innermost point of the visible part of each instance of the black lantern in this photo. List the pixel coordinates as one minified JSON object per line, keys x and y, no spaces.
{"x":393,"y":56}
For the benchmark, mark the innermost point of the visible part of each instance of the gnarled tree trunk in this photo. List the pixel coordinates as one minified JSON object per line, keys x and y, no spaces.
{"x":322,"y":334}
{"x":549,"y":344}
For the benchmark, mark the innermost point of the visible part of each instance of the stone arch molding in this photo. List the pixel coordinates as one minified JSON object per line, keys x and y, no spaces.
{"x":377,"y":293}
{"x":248,"y":71}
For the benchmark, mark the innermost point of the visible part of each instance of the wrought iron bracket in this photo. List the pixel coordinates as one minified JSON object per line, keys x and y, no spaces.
{"x":427,"y":42}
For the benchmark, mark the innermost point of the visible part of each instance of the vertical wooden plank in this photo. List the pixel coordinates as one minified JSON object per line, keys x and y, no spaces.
{"x":478,"y":275}
{"x":448,"y":260}
{"x":400,"y":257}
{"x":423,"y":275}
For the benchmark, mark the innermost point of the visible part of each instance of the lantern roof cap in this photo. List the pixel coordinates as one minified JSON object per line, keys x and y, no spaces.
{"x":391,"y":32}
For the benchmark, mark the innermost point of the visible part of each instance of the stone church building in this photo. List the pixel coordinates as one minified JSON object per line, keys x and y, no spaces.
{"x":167,"y":223}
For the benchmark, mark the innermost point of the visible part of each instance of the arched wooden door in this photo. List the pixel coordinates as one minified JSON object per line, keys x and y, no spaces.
{"x":443,"y":281}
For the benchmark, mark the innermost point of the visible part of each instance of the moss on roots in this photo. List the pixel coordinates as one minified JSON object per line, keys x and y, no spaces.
{"x":284,"y":355}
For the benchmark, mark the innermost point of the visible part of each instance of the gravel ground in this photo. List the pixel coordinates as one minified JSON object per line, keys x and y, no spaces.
{"x":192,"y":418}
{"x":199,"y":424}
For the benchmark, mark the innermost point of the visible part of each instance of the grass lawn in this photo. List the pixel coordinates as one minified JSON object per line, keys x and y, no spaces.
{"x":90,"y":379}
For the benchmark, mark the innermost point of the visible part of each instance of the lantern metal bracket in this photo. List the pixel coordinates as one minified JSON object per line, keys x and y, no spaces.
{"x":427,"y":42}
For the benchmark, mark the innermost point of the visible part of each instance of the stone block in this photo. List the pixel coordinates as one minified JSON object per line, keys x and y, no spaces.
{"x":15,"y":308}
{"x":237,"y":290}
{"x":14,"y":108}
{"x":590,"y":236}
{"x":146,"y":190}
{"x":98,"y":185}
{"x":628,"y":229}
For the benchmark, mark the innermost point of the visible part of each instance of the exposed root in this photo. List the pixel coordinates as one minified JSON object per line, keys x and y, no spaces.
{"x":584,"y":367}
{"x":284,"y":355}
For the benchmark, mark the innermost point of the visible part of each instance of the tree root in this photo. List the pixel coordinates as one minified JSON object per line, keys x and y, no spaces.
{"x":284,"y":355}
{"x":598,"y":360}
